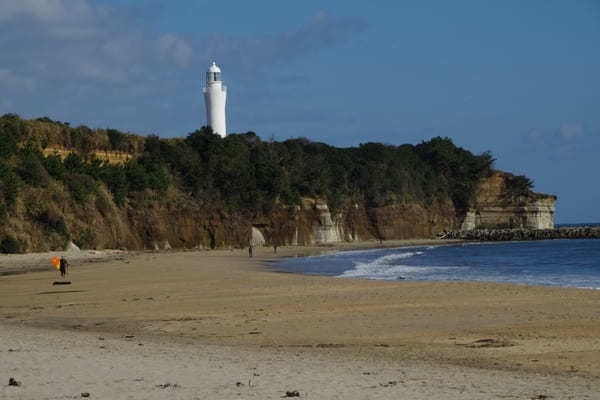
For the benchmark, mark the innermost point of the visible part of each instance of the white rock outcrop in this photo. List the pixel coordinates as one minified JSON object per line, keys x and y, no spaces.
{"x":535,"y":215}
{"x":540,"y":215}
{"x":325,"y":230}
{"x":72,"y":248}
{"x":257,"y":238}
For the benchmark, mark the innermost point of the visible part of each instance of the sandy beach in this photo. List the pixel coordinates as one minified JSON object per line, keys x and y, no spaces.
{"x":218,"y":324}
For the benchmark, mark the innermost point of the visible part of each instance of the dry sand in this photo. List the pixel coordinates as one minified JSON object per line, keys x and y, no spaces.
{"x":204,"y":321}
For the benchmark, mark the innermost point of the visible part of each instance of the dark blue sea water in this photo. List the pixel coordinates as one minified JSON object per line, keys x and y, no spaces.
{"x":571,"y":263}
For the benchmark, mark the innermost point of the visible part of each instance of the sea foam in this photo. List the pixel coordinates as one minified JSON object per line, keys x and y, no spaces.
{"x":387,"y":268}
{"x":572,"y":263}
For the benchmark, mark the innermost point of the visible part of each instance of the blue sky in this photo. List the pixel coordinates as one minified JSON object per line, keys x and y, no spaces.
{"x":520,"y":79}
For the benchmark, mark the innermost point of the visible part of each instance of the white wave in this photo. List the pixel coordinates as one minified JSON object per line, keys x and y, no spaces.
{"x":342,"y":253}
{"x":354,"y":252}
{"x":395,"y":256}
{"x":359,"y":252}
{"x":386,"y":269}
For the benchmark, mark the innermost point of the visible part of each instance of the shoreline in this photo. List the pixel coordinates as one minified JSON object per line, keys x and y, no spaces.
{"x":223,"y":298}
{"x":15,"y":264}
{"x":270,"y":265}
{"x":11,"y":264}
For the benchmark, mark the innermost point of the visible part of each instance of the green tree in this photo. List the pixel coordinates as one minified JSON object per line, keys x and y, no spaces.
{"x":74,"y":163}
{"x":137,"y":178}
{"x":55,"y":167}
{"x":115,"y":138}
{"x":116,"y":180}
{"x":518,"y":185}
{"x":10,"y":185}
{"x":81,"y":186}
{"x":31,"y":170}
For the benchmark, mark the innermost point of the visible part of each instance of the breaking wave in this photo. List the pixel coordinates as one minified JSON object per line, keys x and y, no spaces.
{"x":386,"y":268}
{"x":572,"y":263}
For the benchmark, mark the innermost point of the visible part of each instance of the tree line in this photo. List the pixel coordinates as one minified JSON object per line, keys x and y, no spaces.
{"x":242,"y":173}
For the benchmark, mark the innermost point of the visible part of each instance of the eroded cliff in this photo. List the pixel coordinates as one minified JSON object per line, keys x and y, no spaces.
{"x":106,"y":189}
{"x":44,"y":216}
{"x":498,"y":206}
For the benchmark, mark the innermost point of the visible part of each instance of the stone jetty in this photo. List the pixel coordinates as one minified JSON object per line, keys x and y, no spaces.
{"x":485,"y":235}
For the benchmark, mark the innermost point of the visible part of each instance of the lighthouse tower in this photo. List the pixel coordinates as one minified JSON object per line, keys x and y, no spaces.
{"x":215,"y":95}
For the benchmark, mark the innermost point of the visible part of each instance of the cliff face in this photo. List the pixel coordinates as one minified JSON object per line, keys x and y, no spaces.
{"x":106,"y":189}
{"x":496,"y":207}
{"x":314,"y":223}
{"x":180,"y":222}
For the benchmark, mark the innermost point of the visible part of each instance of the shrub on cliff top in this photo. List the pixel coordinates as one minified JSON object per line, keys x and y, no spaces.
{"x":518,"y":185}
{"x":9,"y":245}
{"x":13,"y":129}
{"x":115,"y":138}
{"x":459,"y":170}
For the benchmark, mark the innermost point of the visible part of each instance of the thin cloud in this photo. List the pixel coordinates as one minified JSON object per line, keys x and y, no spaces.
{"x":571,"y":131}
{"x":75,"y":40}
{"x":566,"y":141}
{"x":9,"y":79}
{"x":176,"y":49}
{"x":260,"y":53}
{"x":42,"y":10}
{"x":73,"y":60}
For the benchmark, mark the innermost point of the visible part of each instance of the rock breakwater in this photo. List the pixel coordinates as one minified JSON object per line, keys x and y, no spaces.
{"x":485,"y":235}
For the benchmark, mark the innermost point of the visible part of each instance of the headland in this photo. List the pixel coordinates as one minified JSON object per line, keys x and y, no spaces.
{"x":105,"y":189}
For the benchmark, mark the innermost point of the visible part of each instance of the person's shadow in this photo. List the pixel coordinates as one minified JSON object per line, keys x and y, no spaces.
{"x":61,"y":291}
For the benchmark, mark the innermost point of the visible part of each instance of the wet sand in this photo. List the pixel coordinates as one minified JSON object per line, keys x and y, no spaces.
{"x":319,"y":335}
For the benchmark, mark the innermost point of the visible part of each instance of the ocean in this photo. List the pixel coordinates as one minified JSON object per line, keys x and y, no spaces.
{"x":568,"y":263}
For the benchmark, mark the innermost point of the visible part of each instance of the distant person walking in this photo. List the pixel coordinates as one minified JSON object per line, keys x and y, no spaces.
{"x":250,"y":251}
{"x":63,"y":266}
{"x":275,"y":245}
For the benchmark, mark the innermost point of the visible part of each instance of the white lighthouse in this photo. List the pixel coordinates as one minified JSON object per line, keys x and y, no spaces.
{"x":215,"y":95}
